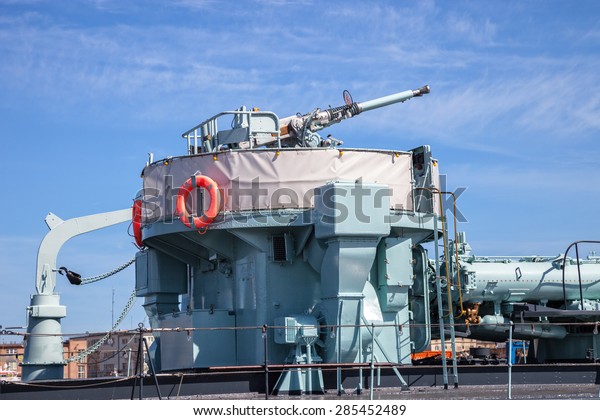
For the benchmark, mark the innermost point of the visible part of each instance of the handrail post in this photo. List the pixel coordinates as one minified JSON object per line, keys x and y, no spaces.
{"x":266,"y":354}
{"x":509,"y":358}
{"x":360,"y":352}
{"x":339,"y":348}
{"x":372,"y":362}
{"x":579,"y":276}
{"x":152,"y":368}
{"x":439,"y":302}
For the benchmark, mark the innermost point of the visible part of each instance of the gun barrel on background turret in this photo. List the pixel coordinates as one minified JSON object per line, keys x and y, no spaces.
{"x":392,"y":99}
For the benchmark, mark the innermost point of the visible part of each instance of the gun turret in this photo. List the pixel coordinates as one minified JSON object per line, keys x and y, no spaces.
{"x":300,"y":130}
{"x":255,"y":128}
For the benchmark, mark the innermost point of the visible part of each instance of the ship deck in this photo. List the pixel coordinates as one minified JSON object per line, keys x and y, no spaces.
{"x":556,"y":381}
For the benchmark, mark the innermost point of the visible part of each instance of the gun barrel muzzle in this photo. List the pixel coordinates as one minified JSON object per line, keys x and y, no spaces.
{"x":422,"y":91}
{"x":392,"y":99}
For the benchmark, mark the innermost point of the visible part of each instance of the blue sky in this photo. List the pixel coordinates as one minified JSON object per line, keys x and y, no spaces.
{"x":88,"y":88}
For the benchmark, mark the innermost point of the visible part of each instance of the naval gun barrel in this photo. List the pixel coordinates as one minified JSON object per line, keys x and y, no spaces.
{"x":392,"y":99}
{"x":300,"y":130}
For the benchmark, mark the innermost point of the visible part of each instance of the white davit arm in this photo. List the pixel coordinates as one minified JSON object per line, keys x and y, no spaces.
{"x":60,"y":232}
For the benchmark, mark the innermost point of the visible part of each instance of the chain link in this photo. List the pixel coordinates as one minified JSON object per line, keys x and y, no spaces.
{"x":95,"y":347}
{"x":88,"y":280}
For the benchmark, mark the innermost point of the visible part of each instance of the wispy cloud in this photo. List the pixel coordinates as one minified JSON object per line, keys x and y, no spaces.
{"x":592,"y":36}
{"x":561,"y":177}
{"x":285,"y":3}
{"x":550,"y":108}
{"x":130,"y":64}
{"x":465,"y":28}
{"x":195,"y":4}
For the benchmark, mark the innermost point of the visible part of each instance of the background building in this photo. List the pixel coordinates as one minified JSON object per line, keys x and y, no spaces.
{"x":115,"y":357}
{"x":11,"y":354}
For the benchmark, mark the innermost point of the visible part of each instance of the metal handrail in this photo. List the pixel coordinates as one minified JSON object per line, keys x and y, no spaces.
{"x":448,"y":288}
{"x":446,"y":256}
{"x":458,"y":283}
{"x":212,"y":126}
{"x":564,"y":264}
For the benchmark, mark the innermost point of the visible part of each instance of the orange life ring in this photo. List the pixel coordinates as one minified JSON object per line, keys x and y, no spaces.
{"x":213,"y":209}
{"x":136,"y":220}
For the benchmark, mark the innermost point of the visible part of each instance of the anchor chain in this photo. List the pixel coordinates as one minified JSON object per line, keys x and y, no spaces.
{"x":75,"y":278}
{"x":97,"y":345}
{"x":122,"y":267}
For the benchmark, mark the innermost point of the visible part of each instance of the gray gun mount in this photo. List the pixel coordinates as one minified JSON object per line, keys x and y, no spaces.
{"x":255,"y":128}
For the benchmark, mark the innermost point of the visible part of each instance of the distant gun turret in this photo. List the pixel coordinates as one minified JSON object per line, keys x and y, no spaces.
{"x":256,"y":128}
{"x":300,"y":130}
